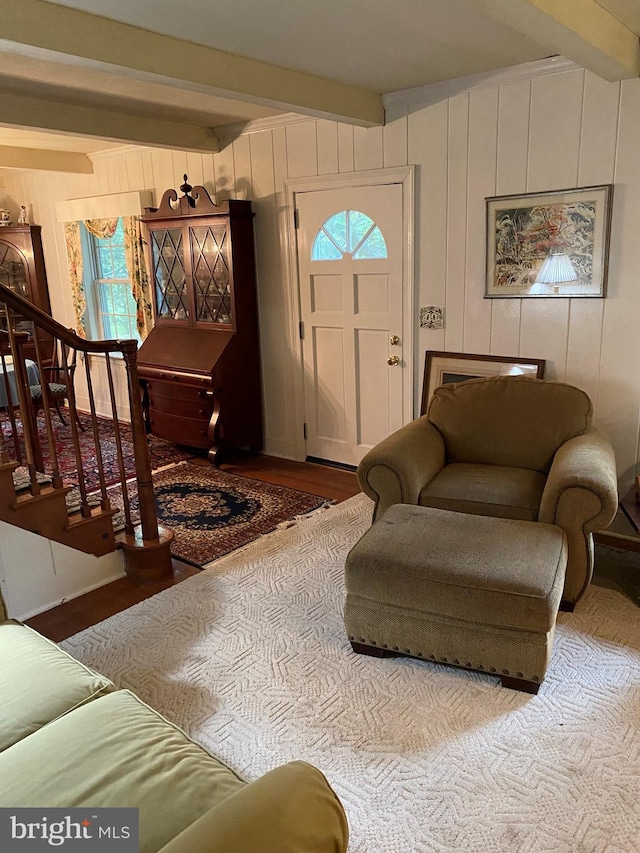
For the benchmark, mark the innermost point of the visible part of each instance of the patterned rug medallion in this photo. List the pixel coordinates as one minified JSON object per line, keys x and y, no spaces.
{"x":213,"y":512}
{"x":424,"y":758}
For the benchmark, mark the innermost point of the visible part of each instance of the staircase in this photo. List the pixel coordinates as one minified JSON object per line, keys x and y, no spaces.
{"x":39,"y":502}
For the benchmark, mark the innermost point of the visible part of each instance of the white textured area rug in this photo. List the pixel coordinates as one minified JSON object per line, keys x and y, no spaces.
{"x":251,"y":659}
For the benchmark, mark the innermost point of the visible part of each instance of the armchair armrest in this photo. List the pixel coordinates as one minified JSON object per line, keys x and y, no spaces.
{"x":581,"y":496}
{"x":288,"y":810}
{"x":585,"y":462}
{"x":397,"y":469}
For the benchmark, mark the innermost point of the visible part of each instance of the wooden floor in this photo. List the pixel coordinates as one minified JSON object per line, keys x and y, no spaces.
{"x":80,"y":613}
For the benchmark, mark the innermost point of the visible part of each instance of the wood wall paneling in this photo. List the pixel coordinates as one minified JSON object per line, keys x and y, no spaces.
{"x":302,"y":149}
{"x":563,"y":130}
{"x":457,"y":206}
{"x":619,"y":381}
{"x":394,"y":137}
{"x":367,"y":148}
{"x":345,"y":148}
{"x":428,"y":142}
{"x":481,"y":183}
{"x":327,"y":148}
{"x":514,"y":105}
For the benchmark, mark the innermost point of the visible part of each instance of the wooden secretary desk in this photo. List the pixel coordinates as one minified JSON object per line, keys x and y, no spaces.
{"x":200,"y":364}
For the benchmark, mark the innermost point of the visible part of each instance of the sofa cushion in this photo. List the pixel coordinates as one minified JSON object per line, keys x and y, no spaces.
{"x":486,"y":490}
{"x":507,"y":420}
{"x":39,"y":682}
{"x":116,"y":751}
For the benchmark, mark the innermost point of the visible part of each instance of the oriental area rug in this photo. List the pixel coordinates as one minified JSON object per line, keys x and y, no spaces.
{"x":161,"y":452}
{"x":212,"y":512}
{"x":424,"y":758}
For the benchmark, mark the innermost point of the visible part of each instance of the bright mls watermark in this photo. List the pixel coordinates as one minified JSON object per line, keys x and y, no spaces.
{"x":69,"y":830}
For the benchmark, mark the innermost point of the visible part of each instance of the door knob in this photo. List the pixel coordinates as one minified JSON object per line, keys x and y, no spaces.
{"x":393,"y":359}
{"x":394,"y":340}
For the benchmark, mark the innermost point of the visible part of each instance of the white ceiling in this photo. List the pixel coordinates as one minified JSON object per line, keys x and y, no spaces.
{"x":381,"y":45}
{"x":373,"y":46}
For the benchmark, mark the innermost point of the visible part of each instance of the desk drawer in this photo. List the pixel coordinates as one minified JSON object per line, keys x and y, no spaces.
{"x":196,"y":407}
{"x":179,"y":390}
{"x":191,"y":432}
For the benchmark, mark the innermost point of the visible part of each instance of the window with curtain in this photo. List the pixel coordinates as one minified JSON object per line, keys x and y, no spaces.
{"x":108,"y":278}
{"x":111,"y":308}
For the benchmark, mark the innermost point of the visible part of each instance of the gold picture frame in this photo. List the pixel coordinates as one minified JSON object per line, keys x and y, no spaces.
{"x":442,"y":368}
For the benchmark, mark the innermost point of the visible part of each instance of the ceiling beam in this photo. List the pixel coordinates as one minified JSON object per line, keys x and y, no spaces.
{"x":41,"y":114}
{"x":581,"y":30}
{"x":50,"y":31}
{"x":50,"y":160}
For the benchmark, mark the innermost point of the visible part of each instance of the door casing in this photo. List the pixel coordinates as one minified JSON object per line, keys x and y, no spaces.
{"x":404,"y":175}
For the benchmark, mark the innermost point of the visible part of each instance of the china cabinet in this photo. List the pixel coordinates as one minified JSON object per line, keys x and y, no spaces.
{"x":22,"y":270}
{"x":200,"y":364}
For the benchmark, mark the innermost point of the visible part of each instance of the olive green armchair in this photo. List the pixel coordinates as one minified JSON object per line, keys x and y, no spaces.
{"x":509,"y":447}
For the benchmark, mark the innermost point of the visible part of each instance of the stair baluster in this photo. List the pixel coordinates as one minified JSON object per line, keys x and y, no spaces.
{"x":146,"y":545}
{"x":126,"y":504}
{"x":56,"y":478}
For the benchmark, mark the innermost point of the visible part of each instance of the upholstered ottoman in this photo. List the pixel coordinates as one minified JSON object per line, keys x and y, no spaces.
{"x":472,"y":591}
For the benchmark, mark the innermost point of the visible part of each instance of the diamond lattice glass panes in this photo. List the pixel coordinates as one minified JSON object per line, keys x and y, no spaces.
{"x":168,"y":270}
{"x":348,"y":232}
{"x":13,"y":274}
{"x":211,"y":279}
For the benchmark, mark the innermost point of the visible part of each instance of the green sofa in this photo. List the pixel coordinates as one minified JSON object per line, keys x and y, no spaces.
{"x":69,"y":738}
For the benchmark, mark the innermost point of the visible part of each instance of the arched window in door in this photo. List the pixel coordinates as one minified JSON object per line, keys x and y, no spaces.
{"x":348,"y":232}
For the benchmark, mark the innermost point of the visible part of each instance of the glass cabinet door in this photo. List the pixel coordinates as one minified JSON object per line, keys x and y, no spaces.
{"x":13,"y":274}
{"x":210,"y":273}
{"x":167,"y":253}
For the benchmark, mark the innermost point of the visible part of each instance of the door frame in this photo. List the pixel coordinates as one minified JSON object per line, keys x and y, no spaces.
{"x":404,"y":175}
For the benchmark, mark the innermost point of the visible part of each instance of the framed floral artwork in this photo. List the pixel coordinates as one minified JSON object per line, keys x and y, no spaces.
{"x":442,"y":368}
{"x":549,"y":244}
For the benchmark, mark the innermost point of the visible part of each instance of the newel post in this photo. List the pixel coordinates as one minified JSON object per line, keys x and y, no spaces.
{"x":147,"y":550}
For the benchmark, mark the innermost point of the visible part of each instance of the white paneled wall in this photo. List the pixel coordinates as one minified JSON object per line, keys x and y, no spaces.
{"x":562,"y":130}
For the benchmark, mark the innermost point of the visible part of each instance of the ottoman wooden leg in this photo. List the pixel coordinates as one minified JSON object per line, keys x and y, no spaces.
{"x":519,"y":684}
{"x":373,"y":651}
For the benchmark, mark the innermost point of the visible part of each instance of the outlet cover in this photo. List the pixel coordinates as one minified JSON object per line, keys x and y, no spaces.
{"x":431,"y":317}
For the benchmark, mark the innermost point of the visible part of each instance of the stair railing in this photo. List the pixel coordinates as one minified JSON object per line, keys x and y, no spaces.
{"x":52,"y":351}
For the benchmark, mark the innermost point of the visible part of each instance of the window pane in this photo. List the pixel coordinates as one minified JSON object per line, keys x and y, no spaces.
{"x":373,"y":247}
{"x":121,"y":295}
{"x":324,"y":249}
{"x":359,"y":224}
{"x":104,"y":296}
{"x":108,"y":329}
{"x":336,"y":228}
{"x":122,"y":327}
{"x":105,"y":263}
{"x":119,"y":263}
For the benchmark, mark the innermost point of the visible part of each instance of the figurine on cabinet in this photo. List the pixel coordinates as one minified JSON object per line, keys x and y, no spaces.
{"x":23,"y":219}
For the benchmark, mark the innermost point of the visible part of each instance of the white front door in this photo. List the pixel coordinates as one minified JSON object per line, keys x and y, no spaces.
{"x":350,"y":272}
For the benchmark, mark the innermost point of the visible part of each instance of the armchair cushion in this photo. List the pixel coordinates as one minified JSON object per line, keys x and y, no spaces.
{"x":517,"y":422}
{"x":486,"y":490}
